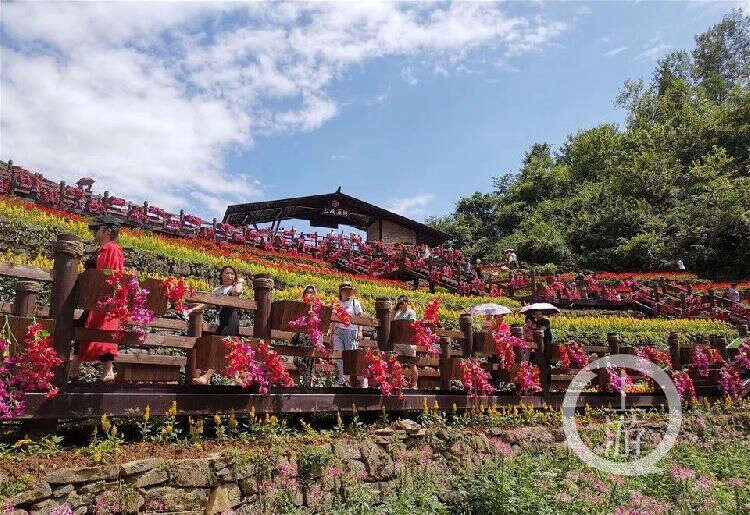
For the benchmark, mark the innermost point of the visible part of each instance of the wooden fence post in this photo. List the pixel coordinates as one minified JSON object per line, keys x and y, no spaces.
{"x":721,"y":345}
{"x":24,"y":304}
{"x":195,"y":328}
{"x":262,"y":286}
{"x":674,"y":350}
{"x":541,"y":361}
{"x":384,"y":310}
{"x":465,"y":323}
{"x":445,"y":357}
{"x":68,"y":250}
{"x":613,"y":340}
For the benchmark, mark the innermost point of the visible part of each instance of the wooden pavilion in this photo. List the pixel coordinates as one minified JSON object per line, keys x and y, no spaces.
{"x":332,"y":209}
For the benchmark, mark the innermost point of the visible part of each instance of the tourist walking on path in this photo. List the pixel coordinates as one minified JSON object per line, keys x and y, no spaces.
{"x":108,"y":257}
{"x":347,"y":337}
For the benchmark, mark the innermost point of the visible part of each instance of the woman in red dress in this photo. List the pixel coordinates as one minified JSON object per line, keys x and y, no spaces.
{"x":109,"y":257}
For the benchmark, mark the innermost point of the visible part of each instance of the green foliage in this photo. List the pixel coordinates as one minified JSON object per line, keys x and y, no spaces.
{"x":12,"y":486}
{"x":46,"y":446}
{"x":673,"y":183}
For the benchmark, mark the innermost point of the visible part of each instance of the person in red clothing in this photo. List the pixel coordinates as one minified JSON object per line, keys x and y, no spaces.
{"x":108,"y":257}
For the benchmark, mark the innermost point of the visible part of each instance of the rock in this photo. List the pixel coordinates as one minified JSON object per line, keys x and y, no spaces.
{"x":386,"y":431}
{"x":140,"y":466}
{"x":84,"y":474}
{"x":222,"y":498}
{"x":81,"y":511}
{"x":378,"y":462}
{"x":179,"y":499}
{"x":193,"y":473}
{"x":226,"y":474}
{"x":407,"y":425}
{"x":40,"y":492}
{"x":248,"y":487}
{"x":63,"y":491}
{"x":221,"y":462}
{"x":44,"y":507}
{"x":132,"y":502}
{"x":401,"y":434}
{"x":17,"y":512}
{"x":348,"y":450}
{"x":152,"y":477}
{"x":93,"y":488}
{"x":382,"y":440}
{"x":77,"y":500}
{"x":419,"y":434}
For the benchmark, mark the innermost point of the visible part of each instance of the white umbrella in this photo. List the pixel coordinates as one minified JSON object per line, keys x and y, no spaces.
{"x":544,"y":307}
{"x":489,"y":309}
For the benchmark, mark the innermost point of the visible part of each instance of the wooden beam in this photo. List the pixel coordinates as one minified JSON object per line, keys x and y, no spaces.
{"x":29,"y":273}
{"x":223,"y":300}
{"x":87,"y":401}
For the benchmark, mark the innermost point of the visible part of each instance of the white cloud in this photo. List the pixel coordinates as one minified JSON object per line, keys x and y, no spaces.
{"x":150,"y":98}
{"x":411,"y":207}
{"x":615,"y":51}
{"x":407,"y":73}
{"x":654,"y":52}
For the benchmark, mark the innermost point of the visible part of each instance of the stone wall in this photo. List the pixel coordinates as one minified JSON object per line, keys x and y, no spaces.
{"x":225,"y":483}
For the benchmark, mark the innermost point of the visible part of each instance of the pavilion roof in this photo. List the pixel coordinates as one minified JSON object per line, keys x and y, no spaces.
{"x":328,"y":210}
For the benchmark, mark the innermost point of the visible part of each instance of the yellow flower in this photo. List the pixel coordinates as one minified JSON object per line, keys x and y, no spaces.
{"x":147,"y":413}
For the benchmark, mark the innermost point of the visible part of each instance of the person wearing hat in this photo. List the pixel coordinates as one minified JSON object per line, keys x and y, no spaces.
{"x":347,"y":337}
{"x":109,"y":256}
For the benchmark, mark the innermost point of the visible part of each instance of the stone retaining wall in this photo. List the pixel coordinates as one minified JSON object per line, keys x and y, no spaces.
{"x":225,"y":483}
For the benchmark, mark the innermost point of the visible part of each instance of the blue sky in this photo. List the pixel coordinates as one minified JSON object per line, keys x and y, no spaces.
{"x":406,"y":106}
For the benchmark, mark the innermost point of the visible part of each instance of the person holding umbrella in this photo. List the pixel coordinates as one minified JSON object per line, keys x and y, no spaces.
{"x":538,"y":310}
{"x":493,"y":316}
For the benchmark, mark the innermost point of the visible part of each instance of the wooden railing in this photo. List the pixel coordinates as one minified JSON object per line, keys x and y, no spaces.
{"x":192,"y":344}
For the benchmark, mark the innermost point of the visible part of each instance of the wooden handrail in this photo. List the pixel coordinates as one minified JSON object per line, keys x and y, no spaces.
{"x":29,"y":273}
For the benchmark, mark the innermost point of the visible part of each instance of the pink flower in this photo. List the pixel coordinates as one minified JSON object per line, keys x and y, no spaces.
{"x":681,"y":473}
{"x":705,"y":483}
{"x":730,"y":381}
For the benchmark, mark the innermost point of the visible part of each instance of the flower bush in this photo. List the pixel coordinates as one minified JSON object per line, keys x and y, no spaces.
{"x":32,"y":370}
{"x":684,"y":384}
{"x":659,"y":357}
{"x":311,"y":322}
{"x":255,"y":364}
{"x":175,"y":290}
{"x":474,"y":378}
{"x":572,"y":353}
{"x":703,"y":357}
{"x":384,"y":373}
{"x":425,"y":337}
{"x":730,"y":382}
{"x":127,"y":302}
{"x":527,"y":379}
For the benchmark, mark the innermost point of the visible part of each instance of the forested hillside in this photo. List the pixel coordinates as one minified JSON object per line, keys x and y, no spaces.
{"x":674,"y":182}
